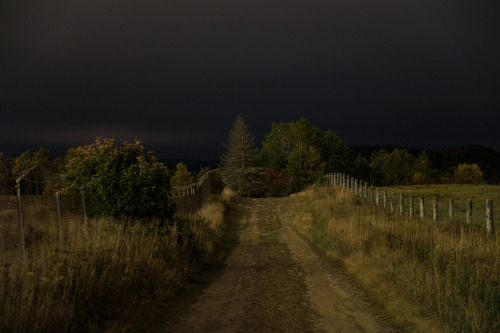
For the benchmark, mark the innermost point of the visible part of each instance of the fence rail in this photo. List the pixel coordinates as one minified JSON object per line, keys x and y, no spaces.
{"x":405,"y":204}
{"x":189,"y":199}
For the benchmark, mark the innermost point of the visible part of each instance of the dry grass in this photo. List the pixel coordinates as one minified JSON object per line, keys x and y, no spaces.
{"x":430,"y":276}
{"x":103,"y":274}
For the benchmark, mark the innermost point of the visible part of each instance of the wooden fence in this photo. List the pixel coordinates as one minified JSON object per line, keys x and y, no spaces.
{"x":404,"y":205}
{"x":189,"y":199}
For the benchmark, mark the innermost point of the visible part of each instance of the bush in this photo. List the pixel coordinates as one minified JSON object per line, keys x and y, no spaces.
{"x":128,"y":180}
{"x":468,"y":174}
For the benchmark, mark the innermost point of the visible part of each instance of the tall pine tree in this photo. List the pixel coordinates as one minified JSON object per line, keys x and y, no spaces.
{"x":241,"y":168}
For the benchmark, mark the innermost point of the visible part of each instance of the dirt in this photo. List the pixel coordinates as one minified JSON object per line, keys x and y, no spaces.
{"x":274,"y":281}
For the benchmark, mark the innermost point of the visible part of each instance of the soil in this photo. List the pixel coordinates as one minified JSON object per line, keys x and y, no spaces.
{"x":274,"y":281}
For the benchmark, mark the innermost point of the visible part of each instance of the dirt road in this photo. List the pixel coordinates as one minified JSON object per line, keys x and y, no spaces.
{"x":275,"y":282}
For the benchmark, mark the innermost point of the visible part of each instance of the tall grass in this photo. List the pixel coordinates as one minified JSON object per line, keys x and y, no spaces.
{"x":106,"y":274}
{"x":430,"y":276}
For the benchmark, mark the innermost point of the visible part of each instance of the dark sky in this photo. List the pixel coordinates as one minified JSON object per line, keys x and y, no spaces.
{"x":176,"y":73}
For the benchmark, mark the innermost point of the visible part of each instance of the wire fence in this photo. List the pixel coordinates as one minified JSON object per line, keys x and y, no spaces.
{"x":428,"y":206}
{"x":28,"y":221}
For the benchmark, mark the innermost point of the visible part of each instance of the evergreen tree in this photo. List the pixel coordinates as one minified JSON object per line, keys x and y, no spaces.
{"x":241,"y":169}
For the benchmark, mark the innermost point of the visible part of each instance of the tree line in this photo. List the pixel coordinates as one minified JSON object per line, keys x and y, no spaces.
{"x":297,"y":154}
{"x":131,"y":180}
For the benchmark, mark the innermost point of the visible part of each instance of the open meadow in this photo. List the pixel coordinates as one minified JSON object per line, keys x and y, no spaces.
{"x":459,"y":193}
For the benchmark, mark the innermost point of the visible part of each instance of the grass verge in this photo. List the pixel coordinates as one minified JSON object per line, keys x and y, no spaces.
{"x":429,"y":276}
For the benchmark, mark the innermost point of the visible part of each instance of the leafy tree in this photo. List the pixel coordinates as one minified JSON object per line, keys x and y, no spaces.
{"x":277,"y":146}
{"x":128,"y":180}
{"x":423,"y":164}
{"x":241,"y":164}
{"x":6,"y":179}
{"x":361,"y":168}
{"x":423,"y":173}
{"x":305,"y":152}
{"x":44,"y":169}
{"x":22,"y":163}
{"x":395,"y":168}
{"x":182,"y":176}
{"x":399,"y":167}
{"x":468,"y":174}
{"x":285,"y":137}
{"x":377,"y":165}
{"x":338,"y":156}
{"x":305,"y":165}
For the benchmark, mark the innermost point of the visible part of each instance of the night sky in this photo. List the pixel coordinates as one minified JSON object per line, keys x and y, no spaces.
{"x":176,"y":73}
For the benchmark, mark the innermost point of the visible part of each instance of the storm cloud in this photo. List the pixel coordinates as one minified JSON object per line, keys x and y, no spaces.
{"x":176,"y":73}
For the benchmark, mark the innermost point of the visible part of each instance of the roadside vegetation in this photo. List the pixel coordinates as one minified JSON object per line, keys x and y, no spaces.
{"x":430,"y":276}
{"x":111,"y":273}
{"x":138,"y":251}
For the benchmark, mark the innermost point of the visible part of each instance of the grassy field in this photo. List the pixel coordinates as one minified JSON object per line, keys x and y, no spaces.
{"x":460,"y":193}
{"x":429,"y":276}
{"x":108,"y":274}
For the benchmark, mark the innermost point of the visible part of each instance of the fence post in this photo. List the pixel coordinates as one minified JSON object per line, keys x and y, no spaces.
{"x":490,"y":226}
{"x":451,"y":210}
{"x":21,"y":221}
{"x":377,"y":197}
{"x":355,"y":187}
{"x":392,"y":202}
{"x":59,"y":223}
{"x":401,"y":204}
{"x":435,"y":211}
{"x":410,"y":206}
{"x":366,"y":190}
{"x":469,"y":211}
{"x":385,"y":199}
{"x":422,"y":208}
{"x":371,"y":194}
